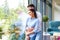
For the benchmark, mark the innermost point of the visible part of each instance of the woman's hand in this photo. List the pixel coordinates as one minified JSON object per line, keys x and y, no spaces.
{"x":29,"y":31}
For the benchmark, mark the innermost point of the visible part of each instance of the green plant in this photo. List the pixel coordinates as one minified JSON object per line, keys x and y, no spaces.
{"x":45,"y":18}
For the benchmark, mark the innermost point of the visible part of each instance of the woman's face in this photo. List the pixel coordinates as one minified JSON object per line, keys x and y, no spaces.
{"x":31,"y":13}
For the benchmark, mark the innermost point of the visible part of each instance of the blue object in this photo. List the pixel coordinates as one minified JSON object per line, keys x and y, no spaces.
{"x":34,"y":23}
{"x":53,"y":27}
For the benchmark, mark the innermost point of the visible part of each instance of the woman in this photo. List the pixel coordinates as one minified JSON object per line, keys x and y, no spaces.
{"x":32,"y":26}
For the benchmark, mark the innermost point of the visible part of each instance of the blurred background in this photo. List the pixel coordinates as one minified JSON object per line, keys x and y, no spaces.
{"x":10,"y":9}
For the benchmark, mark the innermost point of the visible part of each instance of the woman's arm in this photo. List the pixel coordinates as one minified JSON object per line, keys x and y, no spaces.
{"x":29,"y":31}
{"x":35,"y":29}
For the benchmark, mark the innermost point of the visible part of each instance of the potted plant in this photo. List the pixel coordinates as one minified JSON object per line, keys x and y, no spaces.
{"x":45,"y":20}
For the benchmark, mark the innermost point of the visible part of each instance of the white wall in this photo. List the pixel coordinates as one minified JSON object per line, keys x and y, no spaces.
{"x":57,"y":15}
{"x":56,"y":12}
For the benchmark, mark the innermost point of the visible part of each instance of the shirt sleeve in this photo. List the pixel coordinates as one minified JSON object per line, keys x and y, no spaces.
{"x":26,"y":26}
{"x":36,"y":27}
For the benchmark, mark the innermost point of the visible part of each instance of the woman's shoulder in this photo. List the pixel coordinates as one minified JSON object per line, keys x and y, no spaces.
{"x":37,"y":19}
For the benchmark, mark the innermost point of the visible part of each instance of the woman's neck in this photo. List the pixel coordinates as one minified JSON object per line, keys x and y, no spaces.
{"x":33,"y":16}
